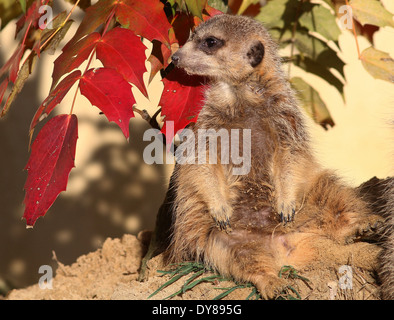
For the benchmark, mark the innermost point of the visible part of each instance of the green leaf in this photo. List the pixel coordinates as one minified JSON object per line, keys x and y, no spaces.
{"x":195,"y":7}
{"x":371,"y":12}
{"x":320,"y":70}
{"x":312,"y":103}
{"x":322,"y":21}
{"x":282,"y":36}
{"x":221,"y":5}
{"x":9,"y":9}
{"x":278,"y":13}
{"x":309,"y":45}
{"x":329,"y":2}
{"x":378,"y":63}
{"x":318,"y":51}
{"x":23,"y":5}
{"x":315,"y":55}
{"x":23,"y":74}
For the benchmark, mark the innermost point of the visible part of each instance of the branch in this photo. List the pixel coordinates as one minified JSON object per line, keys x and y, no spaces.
{"x":354,"y":31}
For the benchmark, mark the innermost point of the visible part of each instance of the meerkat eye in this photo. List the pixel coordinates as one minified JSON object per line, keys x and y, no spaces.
{"x":210,"y":44}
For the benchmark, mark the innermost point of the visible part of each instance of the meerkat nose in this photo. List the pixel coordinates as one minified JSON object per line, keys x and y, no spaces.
{"x":175,"y":58}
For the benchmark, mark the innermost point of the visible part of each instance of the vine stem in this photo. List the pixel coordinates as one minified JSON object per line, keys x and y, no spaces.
{"x":24,"y":39}
{"x":27,"y":31}
{"x":354,"y":30}
{"x":293,"y":31}
{"x":53,"y":34}
{"x":91,"y":57}
{"x":45,"y":43}
{"x":61,"y":26}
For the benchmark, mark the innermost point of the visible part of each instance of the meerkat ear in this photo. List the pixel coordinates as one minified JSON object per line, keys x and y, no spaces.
{"x":256,"y":53}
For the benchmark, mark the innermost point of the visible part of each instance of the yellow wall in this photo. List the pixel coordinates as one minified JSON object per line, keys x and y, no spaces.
{"x":361,"y":144}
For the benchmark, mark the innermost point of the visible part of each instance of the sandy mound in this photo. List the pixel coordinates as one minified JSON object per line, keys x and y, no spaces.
{"x":112,"y":271}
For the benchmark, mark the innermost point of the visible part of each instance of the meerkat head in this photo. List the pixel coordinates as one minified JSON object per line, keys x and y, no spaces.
{"x":228,"y":48}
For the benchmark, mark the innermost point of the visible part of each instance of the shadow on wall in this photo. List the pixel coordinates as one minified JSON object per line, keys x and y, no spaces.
{"x":111,"y":192}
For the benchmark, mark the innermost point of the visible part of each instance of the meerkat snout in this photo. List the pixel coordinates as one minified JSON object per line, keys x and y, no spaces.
{"x":175,"y":58}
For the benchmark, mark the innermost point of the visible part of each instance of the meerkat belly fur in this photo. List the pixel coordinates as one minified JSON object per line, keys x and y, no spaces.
{"x":286,"y":210}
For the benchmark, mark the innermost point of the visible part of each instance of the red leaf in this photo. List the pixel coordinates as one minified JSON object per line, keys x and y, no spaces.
{"x":182,"y":100}
{"x":211,"y":11}
{"x":145,"y":18}
{"x":179,"y":33}
{"x":73,"y":56}
{"x":49,"y":165}
{"x":159,"y":58}
{"x":182,"y":25}
{"x":55,"y":97}
{"x":207,"y":13}
{"x":95,"y":16}
{"x":12,"y":65}
{"x":111,"y":93}
{"x":122,"y":50}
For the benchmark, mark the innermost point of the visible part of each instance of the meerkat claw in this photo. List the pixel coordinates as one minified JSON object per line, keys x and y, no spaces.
{"x":223,"y":225}
{"x":287,"y":217}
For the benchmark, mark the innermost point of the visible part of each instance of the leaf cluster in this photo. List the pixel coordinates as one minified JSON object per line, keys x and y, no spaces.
{"x":112,"y":31}
{"x":311,"y":30}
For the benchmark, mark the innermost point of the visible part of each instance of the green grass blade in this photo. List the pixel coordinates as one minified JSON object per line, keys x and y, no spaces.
{"x":226,"y":293}
{"x":172,"y":280}
{"x":186,"y":286}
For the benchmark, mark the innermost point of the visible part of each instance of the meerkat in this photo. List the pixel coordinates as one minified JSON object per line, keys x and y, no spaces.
{"x":286,"y":210}
{"x":386,"y":259}
{"x":379,"y":195}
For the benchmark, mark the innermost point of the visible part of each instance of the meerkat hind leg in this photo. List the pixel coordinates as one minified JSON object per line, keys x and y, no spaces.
{"x":247,"y":258}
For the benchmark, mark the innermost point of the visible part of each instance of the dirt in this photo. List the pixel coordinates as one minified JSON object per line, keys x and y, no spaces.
{"x":111,"y":272}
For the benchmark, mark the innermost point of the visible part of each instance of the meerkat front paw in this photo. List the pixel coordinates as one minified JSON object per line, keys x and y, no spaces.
{"x":270,"y":286}
{"x":369,"y":226}
{"x":221,"y":215}
{"x":286,"y":211}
